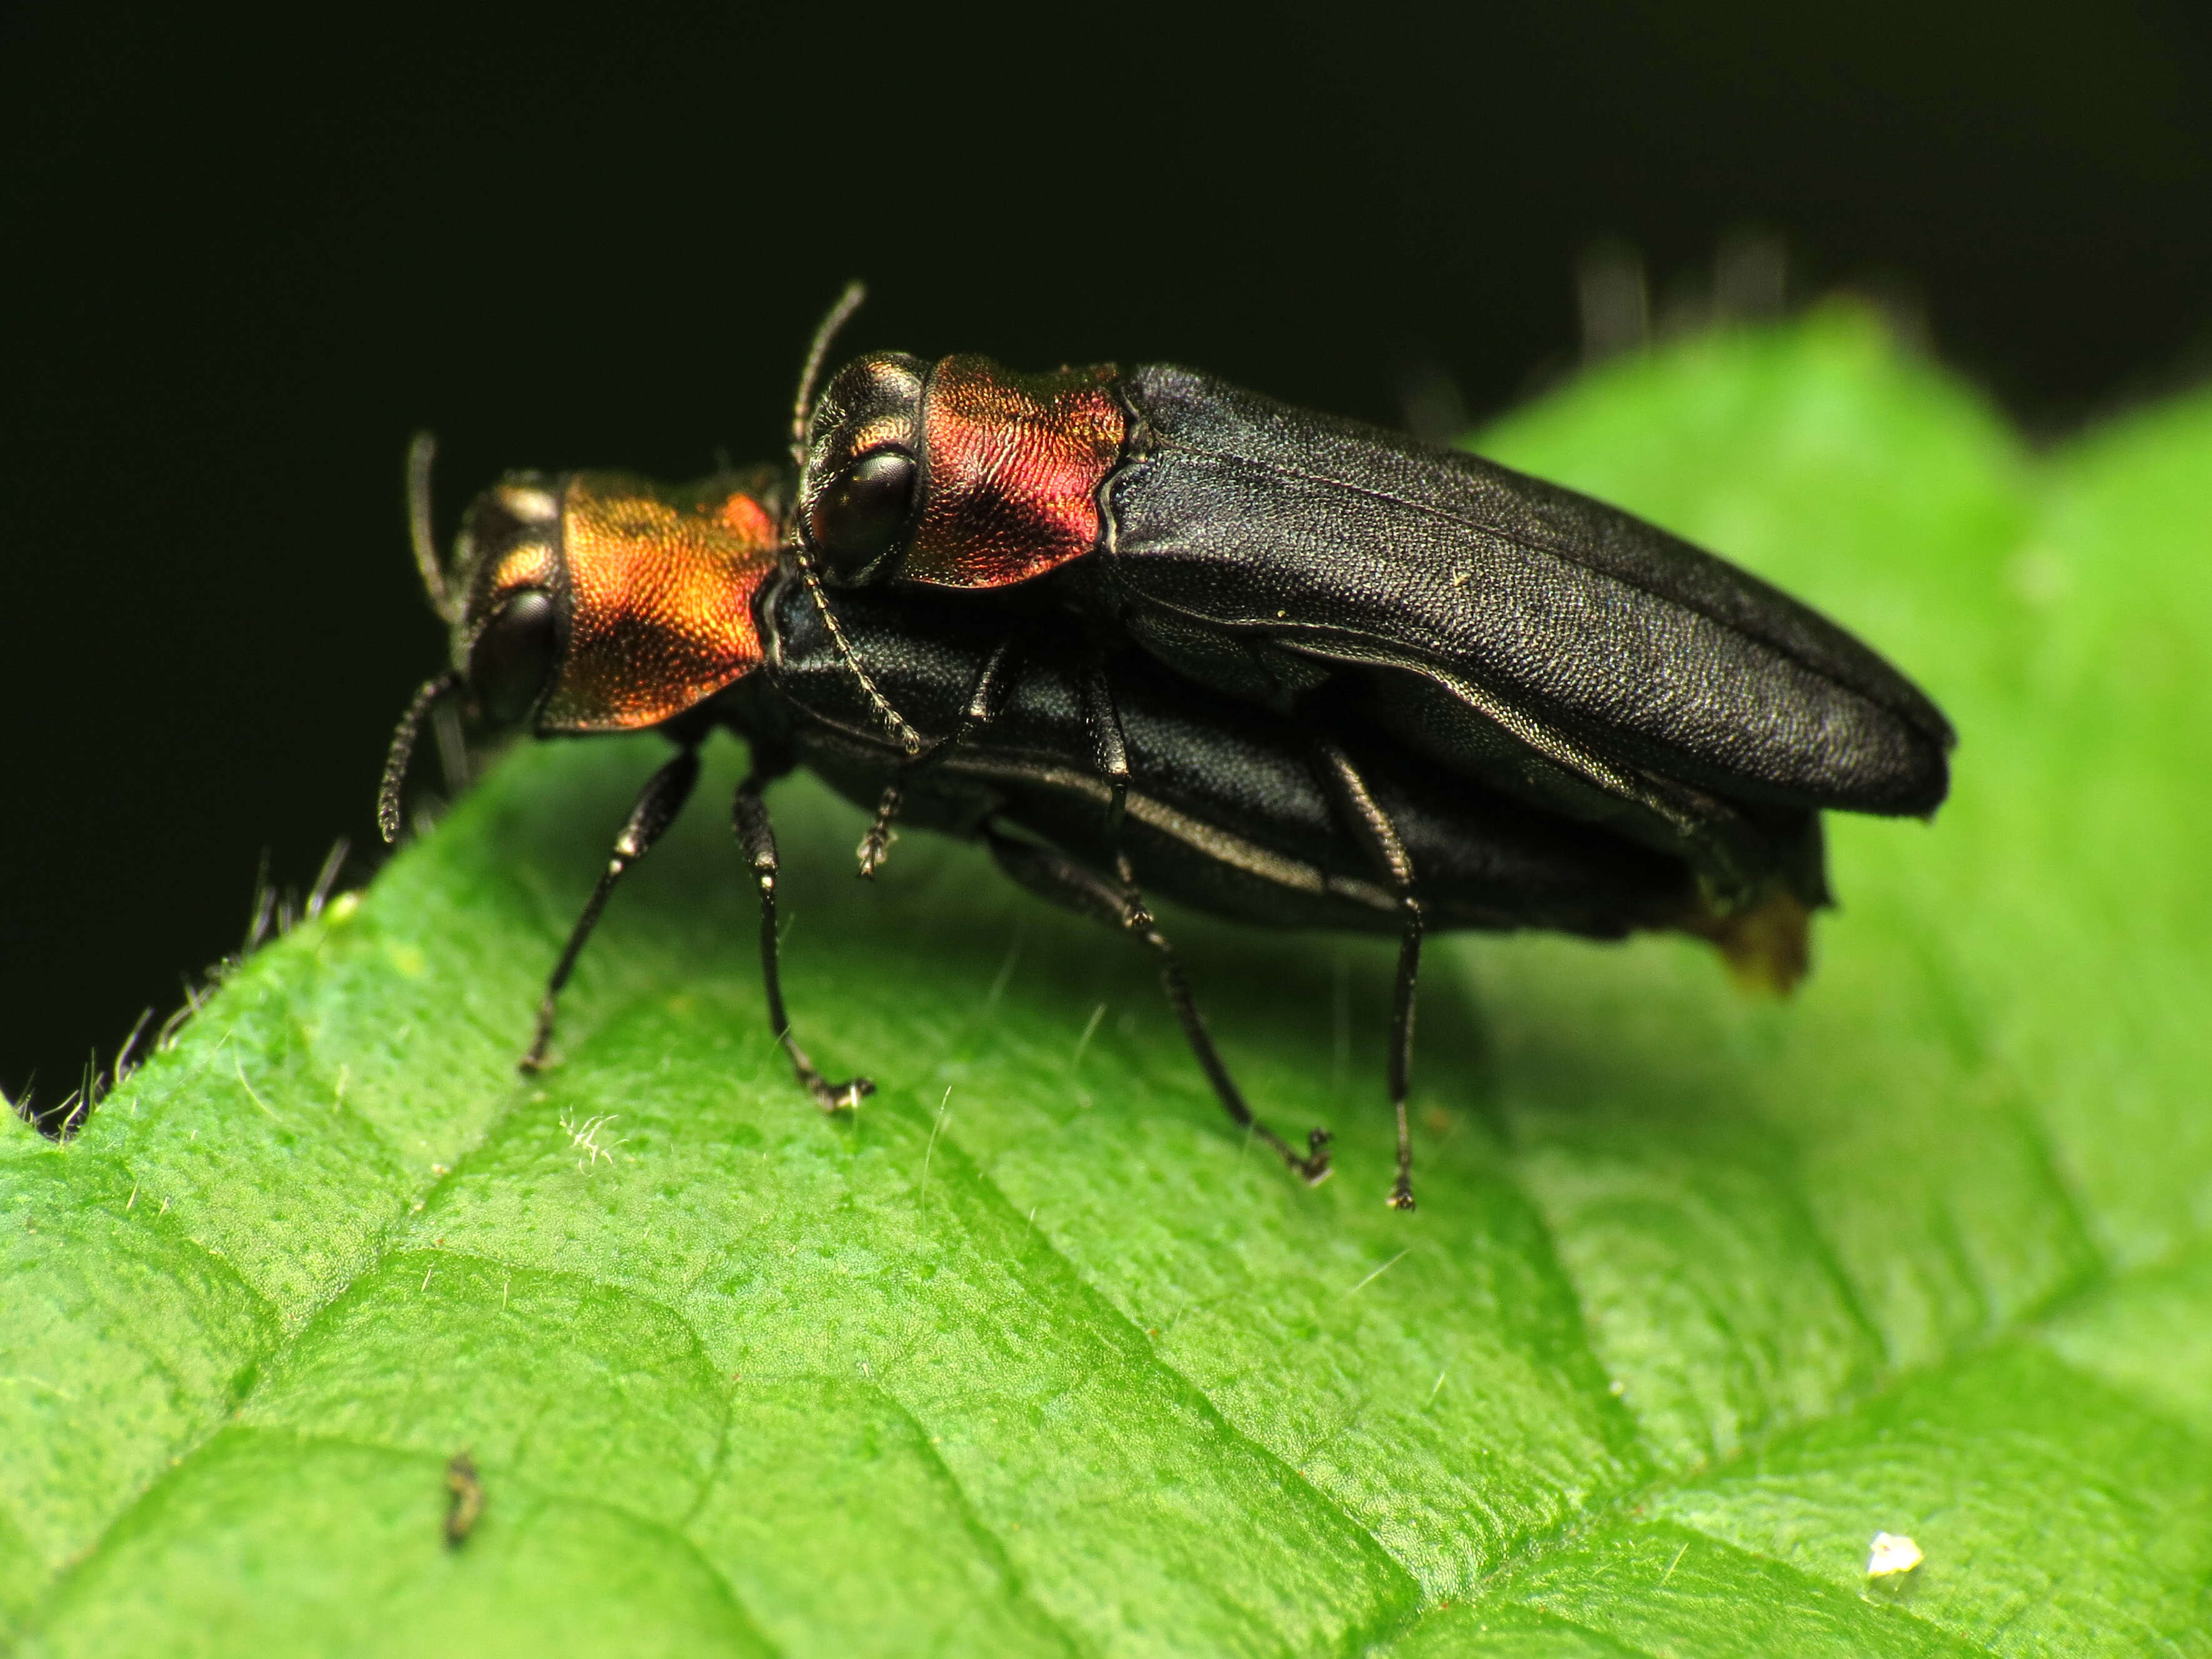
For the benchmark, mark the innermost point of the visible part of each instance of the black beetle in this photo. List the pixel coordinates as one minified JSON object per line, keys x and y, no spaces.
{"x":591,"y":602}
{"x":1561,"y":649}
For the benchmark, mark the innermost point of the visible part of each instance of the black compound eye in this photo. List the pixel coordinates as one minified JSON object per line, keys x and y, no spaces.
{"x":512,"y":657}
{"x":857,"y":519}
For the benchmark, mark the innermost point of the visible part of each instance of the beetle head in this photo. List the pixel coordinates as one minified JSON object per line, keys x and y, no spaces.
{"x":862,"y":466}
{"x":957,"y":474}
{"x":594,"y":602}
{"x":601,"y":602}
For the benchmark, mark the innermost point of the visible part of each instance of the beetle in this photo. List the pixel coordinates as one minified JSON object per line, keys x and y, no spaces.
{"x":1514,"y":632}
{"x":587,"y":602}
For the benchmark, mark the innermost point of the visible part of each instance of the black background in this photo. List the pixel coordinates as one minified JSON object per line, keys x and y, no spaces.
{"x":242,"y":265}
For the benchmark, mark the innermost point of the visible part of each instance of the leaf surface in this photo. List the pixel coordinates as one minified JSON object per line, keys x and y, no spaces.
{"x":1038,"y":1356}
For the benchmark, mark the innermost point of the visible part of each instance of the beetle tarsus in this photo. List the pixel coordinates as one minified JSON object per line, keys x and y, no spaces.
{"x":1315,"y":1167}
{"x":1400,"y":1193}
{"x":658,"y":803}
{"x":981,"y":709}
{"x":876,"y":846}
{"x":533,"y":1060}
{"x":831,"y":1098}
{"x":465,"y":1505}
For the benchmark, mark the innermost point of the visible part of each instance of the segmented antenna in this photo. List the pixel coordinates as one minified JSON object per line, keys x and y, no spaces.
{"x":421,"y":451}
{"x":908,"y":738}
{"x":802,"y":407}
{"x":402,"y":746}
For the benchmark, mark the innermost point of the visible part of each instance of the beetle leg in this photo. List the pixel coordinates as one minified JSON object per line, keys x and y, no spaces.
{"x":1387,"y":852}
{"x":983,"y":708}
{"x":658,"y":803}
{"x":749,"y":818}
{"x":1054,"y":876}
{"x":1108,"y":747}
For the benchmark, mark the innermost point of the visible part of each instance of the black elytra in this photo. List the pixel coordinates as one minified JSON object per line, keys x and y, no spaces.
{"x":1510,"y":630}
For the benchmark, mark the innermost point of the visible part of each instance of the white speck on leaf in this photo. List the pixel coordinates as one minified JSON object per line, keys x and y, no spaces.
{"x":1892,"y":1553}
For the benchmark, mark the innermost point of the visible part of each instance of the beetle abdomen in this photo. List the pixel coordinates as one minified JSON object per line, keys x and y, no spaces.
{"x":1226,"y":810}
{"x":1344,"y":542}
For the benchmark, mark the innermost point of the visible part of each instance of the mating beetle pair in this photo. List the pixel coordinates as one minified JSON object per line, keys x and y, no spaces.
{"x":1143,"y":631}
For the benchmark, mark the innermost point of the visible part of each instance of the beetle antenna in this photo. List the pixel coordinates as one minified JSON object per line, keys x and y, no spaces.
{"x":403,"y":745}
{"x":421,"y":451}
{"x":908,"y":738}
{"x":849,"y":301}
{"x":855,"y":293}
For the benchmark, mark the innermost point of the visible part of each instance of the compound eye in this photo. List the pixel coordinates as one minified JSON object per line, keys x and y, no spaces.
{"x":512,"y":657}
{"x":857,"y":519}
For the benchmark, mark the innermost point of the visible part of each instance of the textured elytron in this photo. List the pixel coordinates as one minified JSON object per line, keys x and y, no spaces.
{"x":660,"y":591}
{"x":1015,"y":464}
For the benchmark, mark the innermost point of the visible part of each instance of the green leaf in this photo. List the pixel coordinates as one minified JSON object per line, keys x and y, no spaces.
{"x":1037,"y":1356}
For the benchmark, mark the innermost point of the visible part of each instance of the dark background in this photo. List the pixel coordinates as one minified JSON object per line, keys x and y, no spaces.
{"x":241,"y":266}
